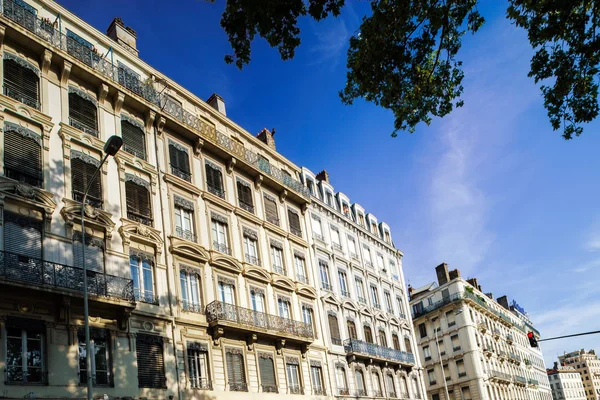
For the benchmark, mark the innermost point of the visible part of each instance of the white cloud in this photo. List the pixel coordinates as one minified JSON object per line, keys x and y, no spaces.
{"x":332,"y":41}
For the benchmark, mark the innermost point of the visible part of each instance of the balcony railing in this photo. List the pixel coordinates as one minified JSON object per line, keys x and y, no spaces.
{"x":533,"y":382}
{"x":319,"y":391}
{"x":354,"y":256}
{"x":336,"y":246}
{"x":326,"y":286}
{"x":345,"y":293}
{"x":302,"y":278}
{"x":246,"y":206}
{"x":238,"y":386}
{"x":185,"y":175}
{"x":377,"y":393}
{"x":295,"y":389}
{"x":192,"y":307}
{"x":222,"y":248}
{"x":336,"y":340}
{"x":376,"y":351}
{"x":201,"y":383}
{"x":75,"y":123}
{"x":135,"y":151}
{"x":318,"y":237}
{"x":270,"y":388}
{"x":218,"y":312}
{"x":216,"y":191}
{"x":343,"y":392}
{"x":91,"y":200}
{"x":35,"y":180}
{"x":15,"y":93}
{"x":514,"y":357}
{"x":519,"y":380}
{"x":499,"y":375}
{"x":141,"y":218}
{"x":250,"y":259}
{"x":362,"y":300}
{"x":37,"y":272}
{"x":185,"y":234}
{"x":295,"y":231}
{"x":279,"y":269}
{"x":509,"y":338}
{"x":361,"y":393}
{"x":272,"y":219}
{"x":145,"y":297}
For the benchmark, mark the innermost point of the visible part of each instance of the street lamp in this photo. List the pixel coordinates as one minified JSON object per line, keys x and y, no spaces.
{"x":112,"y":146}
{"x":457,"y":312}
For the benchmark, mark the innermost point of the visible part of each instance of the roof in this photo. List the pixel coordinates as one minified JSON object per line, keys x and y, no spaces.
{"x":425,"y":288}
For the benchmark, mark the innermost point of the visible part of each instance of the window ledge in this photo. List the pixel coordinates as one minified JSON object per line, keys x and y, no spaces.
{"x":216,"y":200}
{"x":182,"y":183}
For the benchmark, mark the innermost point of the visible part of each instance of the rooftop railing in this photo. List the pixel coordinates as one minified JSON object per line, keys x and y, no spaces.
{"x":380,"y":352}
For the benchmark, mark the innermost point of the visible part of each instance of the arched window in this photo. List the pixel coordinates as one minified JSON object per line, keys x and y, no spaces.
{"x":382,"y":338}
{"x":389,"y":385}
{"x":351,"y":329}
{"x":396,"y":342}
{"x":403,"y":388}
{"x":376,"y":382}
{"x":407,"y":345}
{"x":342,"y":383}
{"x":82,"y":170}
{"x":368,"y":334}
{"x":360,"y":383}
{"x":22,"y":155}
{"x":334,"y":329}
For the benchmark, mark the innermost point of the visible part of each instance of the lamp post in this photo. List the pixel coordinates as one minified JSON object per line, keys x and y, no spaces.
{"x":440,"y":353}
{"x":112,"y":146}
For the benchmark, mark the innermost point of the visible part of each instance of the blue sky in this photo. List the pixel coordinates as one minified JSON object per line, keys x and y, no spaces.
{"x":490,"y":189}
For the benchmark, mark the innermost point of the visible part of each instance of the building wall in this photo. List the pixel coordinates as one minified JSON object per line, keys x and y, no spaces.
{"x":566,"y":384}
{"x":588,"y":365}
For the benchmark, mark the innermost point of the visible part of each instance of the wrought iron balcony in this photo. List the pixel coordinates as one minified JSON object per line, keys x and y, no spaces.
{"x":272,"y":219}
{"x":35,"y":180}
{"x":185,"y":175}
{"x":75,"y":123}
{"x":502,"y":376}
{"x":192,"y":307}
{"x":91,"y":200}
{"x":238,"y":386}
{"x":145,"y":297}
{"x":362,"y":300}
{"x":201,"y":383}
{"x":377,"y":393}
{"x":336,"y":340}
{"x":269,"y":388}
{"x":405,"y":396}
{"x":35,"y":272}
{"x":217,"y":191}
{"x":343,"y":392}
{"x":295,"y":389}
{"x":520,"y":380}
{"x":250,"y":259}
{"x":295,"y":231}
{"x":247,"y":207}
{"x":319,"y":391}
{"x":326,"y":286}
{"x":14,"y":92}
{"x":362,"y":349}
{"x":302,"y":278}
{"x":141,"y":218}
{"x":244,"y":319}
{"x":345,"y":293}
{"x":361,"y":393}
{"x":185,"y":234}
{"x":336,"y":246}
{"x":532,"y":382}
{"x":279,"y":269}
{"x":221,"y":247}
{"x":134,"y":151}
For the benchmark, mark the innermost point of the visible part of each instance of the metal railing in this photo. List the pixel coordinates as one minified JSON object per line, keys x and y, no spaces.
{"x":238,"y":386}
{"x":295,"y":389}
{"x":216,"y":191}
{"x":336,"y":246}
{"x":201,"y":383}
{"x":319,"y":391}
{"x":272,"y":219}
{"x":141,"y":218}
{"x":295,"y":231}
{"x":91,"y":200}
{"x":377,"y":393}
{"x":520,"y":380}
{"x":326,"y":286}
{"x":302,"y":278}
{"x":218,"y":311}
{"x":145,"y":297}
{"x":533,"y":382}
{"x":16,"y":94}
{"x":345,"y":293}
{"x":136,"y":152}
{"x":24,"y":177}
{"x":361,"y":393}
{"x":499,"y":375}
{"x":279,"y":269}
{"x":247,"y":207}
{"x":178,"y":172}
{"x":75,"y":123}
{"x":343,"y":392}
{"x":35,"y":271}
{"x":185,"y":234}
{"x":336,"y":340}
{"x":250,"y":259}
{"x":221,"y":247}
{"x":269,"y":388}
{"x":386,"y":353}
{"x":192,"y":307}
{"x":318,"y":237}
{"x":362,"y":300}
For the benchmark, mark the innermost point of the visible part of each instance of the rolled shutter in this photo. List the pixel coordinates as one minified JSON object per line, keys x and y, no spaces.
{"x":179,"y":158}
{"x":22,"y":158}
{"x":294,"y":220}
{"x":21,"y":83}
{"x":245,"y":194}
{"x":22,"y":236}
{"x":134,"y":140}
{"x":271,"y":210}
{"x":138,"y":199}
{"x":267,"y":373}
{"x":351,"y":330}
{"x":334,"y":328}
{"x":235,"y":369}
{"x":94,"y":253}
{"x":214,"y":178}
{"x":81,"y":176}
{"x":151,"y":364}
{"x":83,"y":114}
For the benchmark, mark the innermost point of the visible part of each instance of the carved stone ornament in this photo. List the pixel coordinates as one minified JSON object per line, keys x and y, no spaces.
{"x":292,"y":360}
{"x":233,"y":350}
{"x":258,"y":182}
{"x":299,"y":254}
{"x":242,"y":182}
{"x":21,"y":130}
{"x":22,"y":62}
{"x":142,"y":255}
{"x":183,"y":203}
{"x":307,"y":306}
{"x":257,"y":290}
{"x":143,"y":230}
{"x":333,"y":314}
{"x":198,"y":146}
{"x":189,"y":269}
{"x":178,"y":146}
{"x":85,"y":158}
{"x":212,"y":165}
{"x":218,"y":217}
{"x":24,"y":190}
{"x":265,"y":355}
{"x":137,"y":180}
{"x":226,"y":281}
{"x":340,"y":365}
{"x":269,"y":197}
{"x":315,"y":363}
{"x":89,"y":240}
{"x":83,"y":94}
{"x":197,"y":346}
{"x":46,"y":60}
{"x":90,"y":212}
{"x":284,"y":299}
{"x":231,"y":165}
{"x":316,"y":217}
{"x":133,"y":121}
{"x":252,"y":234}
{"x":277,"y":244}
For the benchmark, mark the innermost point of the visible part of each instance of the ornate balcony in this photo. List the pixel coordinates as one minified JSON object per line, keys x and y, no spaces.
{"x":519,"y":380}
{"x":319,"y":391}
{"x":238,"y":386}
{"x":185,"y":175}
{"x":270,"y":388}
{"x":361,"y":393}
{"x":362,"y":300}
{"x":246,"y":206}
{"x":39,"y":274}
{"x":185,"y":234}
{"x":302,"y":278}
{"x":201,"y":383}
{"x":15,"y":93}
{"x":192,"y":307}
{"x":279,"y":269}
{"x":500,"y":376}
{"x":221,"y":247}
{"x":31,"y":179}
{"x":250,"y":259}
{"x":296,"y":389}
{"x":364,"y":350}
{"x":343,"y":392}
{"x":295,"y":231}
{"x":377,"y":393}
{"x":91,"y":200}
{"x":532,"y":382}
{"x":141,"y":218}
{"x":223,"y":315}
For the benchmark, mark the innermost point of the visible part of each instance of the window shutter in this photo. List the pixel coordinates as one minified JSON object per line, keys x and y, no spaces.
{"x":21,"y":83}
{"x":351,"y":330}
{"x":22,"y":158}
{"x":235,"y":368}
{"x":179,"y":158}
{"x":22,"y":235}
{"x":214,"y":180}
{"x":83,"y":114}
{"x":94,"y":252}
{"x":334,"y":328}
{"x":267,"y":374}
{"x":138,"y":199}
{"x":271,"y":210}
{"x":150,"y":359}
{"x":134,"y":139}
{"x":294,"y":220}
{"x":81,"y":175}
{"x":245,"y":194}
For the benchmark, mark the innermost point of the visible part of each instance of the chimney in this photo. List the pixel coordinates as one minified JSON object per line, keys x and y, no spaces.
{"x":455,"y":273}
{"x":479,"y":288}
{"x":217,"y":103}
{"x":503,"y":301}
{"x":266,"y":136}
{"x":473,"y":282}
{"x":556,"y":365}
{"x":125,"y":36}
{"x":490,"y":295}
{"x":323,"y":176}
{"x":410,"y":291}
{"x":442,"y":273}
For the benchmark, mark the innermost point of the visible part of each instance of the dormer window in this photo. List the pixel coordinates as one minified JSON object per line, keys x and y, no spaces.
{"x":387,"y":236}
{"x":374,"y":228}
{"x":311,"y":186}
{"x":361,"y":219}
{"x":329,"y":198}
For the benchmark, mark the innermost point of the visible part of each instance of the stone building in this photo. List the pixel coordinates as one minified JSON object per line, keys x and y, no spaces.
{"x":472,"y":346}
{"x":588,"y":365}
{"x":201,"y":263}
{"x":566,"y":383}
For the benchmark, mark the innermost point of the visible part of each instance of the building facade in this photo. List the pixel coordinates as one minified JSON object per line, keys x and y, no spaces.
{"x":588,"y":365}
{"x":566,"y":383}
{"x":201,"y":263}
{"x":472,"y":346}
{"x":361,"y":292}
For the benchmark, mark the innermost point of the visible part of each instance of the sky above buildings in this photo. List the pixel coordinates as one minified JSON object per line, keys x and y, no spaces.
{"x":490,"y":189}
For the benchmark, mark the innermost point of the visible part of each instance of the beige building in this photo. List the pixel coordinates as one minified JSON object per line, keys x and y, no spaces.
{"x":202,"y":270}
{"x":472,"y":346}
{"x":588,"y":365}
{"x":566,"y":383}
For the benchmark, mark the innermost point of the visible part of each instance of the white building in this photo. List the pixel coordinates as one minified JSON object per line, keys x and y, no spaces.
{"x":472,"y":346}
{"x":566,"y":383}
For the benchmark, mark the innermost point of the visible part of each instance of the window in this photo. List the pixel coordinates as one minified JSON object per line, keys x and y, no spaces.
{"x":422,"y":330}
{"x":360,"y":383}
{"x":376,"y":384}
{"x":291,"y":367}
{"x":352,"y":248}
{"x":388,"y":302}
{"x":277,"y":260}
{"x":361,"y":219}
{"x":351,"y":329}
{"x":343,"y":284}
{"x":271,"y":213}
{"x":22,"y":237}
{"x":374,"y":228}
{"x":407,"y":345}
{"x":83,"y":111}
{"x":21,"y":80}
{"x":257,"y":299}
{"x":294,"y":221}
{"x":447,"y":374}
{"x":389,"y":383}
{"x":214,"y":179}
{"x":316,"y":376}
{"x":375,"y":297}
{"x":316,"y":227}
{"x":360,"y":291}
{"x":311,"y":186}
{"x":138,"y":200}
{"x":219,"y":234}
{"x":250,"y":247}
{"x":142,"y":265}
{"x":300,"y":268}
{"x":197,"y":355}
{"x":427,"y":353}
{"x":184,"y":219}
{"x":226,"y":292}
{"x":466,"y":393}
{"x":346,"y":209}
{"x":190,"y":292}
{"x":307,"y":316}
{"x":324,"y":271}
{"x":94,"y":252}
{"x":368,"y":334}
{"x":82,"y":170}
{"x":99,"y":347}
{"x":380,"y":263}
{"x":245,"y":196}
{"x":387,"y":236}
{"x":179,"y":160}
{"x":431,"y":376}
{"x":450,"y":318}
{"x":396,"y":342}
{"x":267,"y":373}
{"x":329,"y":198}
{"x":368,"y":260}
{"x":22,"y":155}
{"x":150,"y":361}
{"x":400,"y":307}
{"x":335,"y":239}
{"x":342,"y":383}
{"x":284,"y":306}
{"x":25,"y":352}
{"x":455,"y":343}
{"x":382,"y":338}
{"x":460,"y":368}
{"x":394,"y":270}
{"x":236,"y":376}
{"x":134,"y":138}
{"x":334,"y":329}
{"x":80,"y":48}
{"x":435,"y":396}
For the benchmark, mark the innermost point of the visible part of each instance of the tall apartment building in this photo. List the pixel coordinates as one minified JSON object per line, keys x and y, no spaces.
{"x":201,"y":268}
{"x":361,"y":290}
{"x":566,"y":383}
{"x":473,"y":346}
{"x":588,"y":365}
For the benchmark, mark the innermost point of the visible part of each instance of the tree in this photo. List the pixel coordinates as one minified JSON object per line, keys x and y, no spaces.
{"x":405,"y":54}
